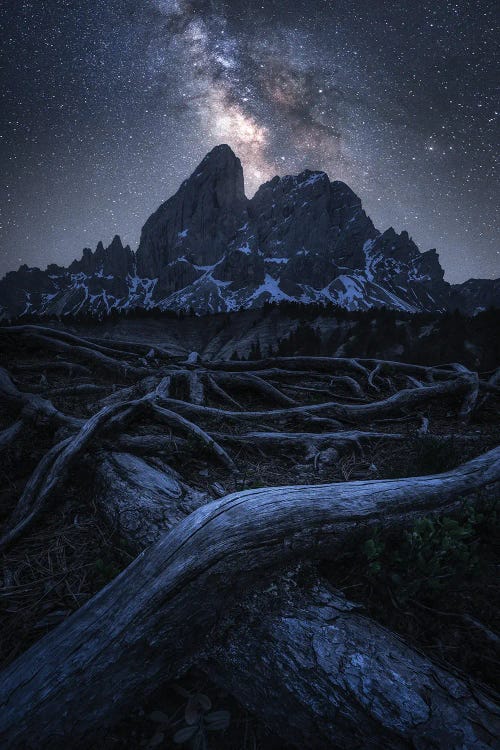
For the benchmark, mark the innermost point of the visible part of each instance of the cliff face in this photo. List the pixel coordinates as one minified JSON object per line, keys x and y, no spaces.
{"x":208,"y":247}
{"x":199,"y":220}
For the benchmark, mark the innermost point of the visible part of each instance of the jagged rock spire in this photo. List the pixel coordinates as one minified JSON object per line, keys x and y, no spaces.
{"x":301,"y":237}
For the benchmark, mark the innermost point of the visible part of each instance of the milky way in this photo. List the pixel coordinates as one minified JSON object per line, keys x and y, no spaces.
{"x":108,"y":106}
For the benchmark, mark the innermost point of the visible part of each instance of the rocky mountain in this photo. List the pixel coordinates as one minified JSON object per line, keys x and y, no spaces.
{"x":474,"y":295}
{"x":210,"y":248}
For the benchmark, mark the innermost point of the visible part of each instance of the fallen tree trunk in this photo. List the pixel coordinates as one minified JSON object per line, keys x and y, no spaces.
{"x":319,"y":671}
{"x":308,"y":663}
{"x":154,"y":620}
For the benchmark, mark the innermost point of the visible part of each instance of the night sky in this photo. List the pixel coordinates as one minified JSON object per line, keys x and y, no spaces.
{"x":107,"y":106}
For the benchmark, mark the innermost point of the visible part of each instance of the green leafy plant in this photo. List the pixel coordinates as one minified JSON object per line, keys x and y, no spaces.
{"x":163,"y":722}
{"x":424,"y":559}
{"x":373,"y":550}
{"x":200,"y":719}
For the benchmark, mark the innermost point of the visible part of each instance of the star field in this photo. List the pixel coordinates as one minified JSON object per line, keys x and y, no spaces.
{"x":108,"y":105}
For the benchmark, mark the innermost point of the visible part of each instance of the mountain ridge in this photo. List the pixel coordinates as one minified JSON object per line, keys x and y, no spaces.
{"x":210,"y":248}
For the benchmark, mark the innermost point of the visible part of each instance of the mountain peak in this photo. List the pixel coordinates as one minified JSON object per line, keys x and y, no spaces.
{"x":116,"y":243}
{"x":301,"y":237}
{"x":200,"y":219}
{"x":222,"y":166}
{"x":221,"y":170}
{"x":221,"y":152}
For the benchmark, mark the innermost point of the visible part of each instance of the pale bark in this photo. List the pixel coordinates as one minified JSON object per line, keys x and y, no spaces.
{"x":319,"y":672}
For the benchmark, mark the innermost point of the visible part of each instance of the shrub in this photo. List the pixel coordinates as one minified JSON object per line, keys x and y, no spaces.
{"x":422,"y":562}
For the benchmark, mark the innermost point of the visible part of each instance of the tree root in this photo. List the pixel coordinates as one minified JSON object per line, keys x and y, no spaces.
{"x":409,"y":398}
{"x":255,"y":383}
{"x":89,"y":354}
{"x":349,"y":383}
{"x":337,"y":679}
{"x":9,"y":435}
{"x":33,"y":405}
{"x":175,"y":420}
{"x":52,"y":470}
{"x":307,"y":440}
{"x":221,"y":393}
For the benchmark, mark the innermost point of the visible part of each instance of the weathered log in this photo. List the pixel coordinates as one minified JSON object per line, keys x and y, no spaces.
{"x":154,"y":618}
{"x":319,"y":672}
